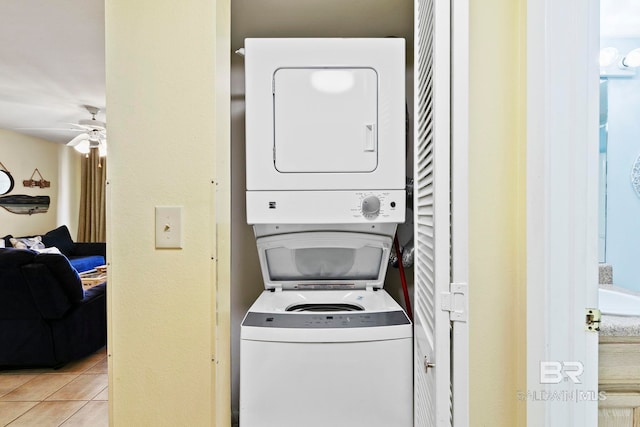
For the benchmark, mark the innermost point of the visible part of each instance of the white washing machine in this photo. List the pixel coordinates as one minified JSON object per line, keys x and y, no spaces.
{"x":324,"y":344}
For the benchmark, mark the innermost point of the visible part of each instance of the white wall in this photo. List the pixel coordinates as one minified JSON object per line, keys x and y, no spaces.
{"x":69,"y":186}
{"x":59,"y":164}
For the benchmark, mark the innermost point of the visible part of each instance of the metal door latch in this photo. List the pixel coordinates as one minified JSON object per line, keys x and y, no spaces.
{"x":428,"y":364}
{"x":592,"y":322}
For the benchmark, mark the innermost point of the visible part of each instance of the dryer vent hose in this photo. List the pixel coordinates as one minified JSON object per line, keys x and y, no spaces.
{"x":403,"y":278}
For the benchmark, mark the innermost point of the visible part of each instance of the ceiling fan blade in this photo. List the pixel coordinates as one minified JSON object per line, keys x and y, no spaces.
{"x":51,"y":129}
{"x":79,"y":127}
{"x":94,"y":124}
{"x":78,"y":139}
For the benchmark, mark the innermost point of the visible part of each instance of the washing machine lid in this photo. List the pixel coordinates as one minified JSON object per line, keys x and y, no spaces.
{"x":324,"y":260}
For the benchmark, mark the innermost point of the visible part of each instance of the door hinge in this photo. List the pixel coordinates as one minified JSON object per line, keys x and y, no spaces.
{"x":456,"y":301}
{"x":592,"y":321}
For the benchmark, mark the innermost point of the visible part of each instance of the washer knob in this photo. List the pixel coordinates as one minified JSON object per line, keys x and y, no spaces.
{"x":371,"y":207}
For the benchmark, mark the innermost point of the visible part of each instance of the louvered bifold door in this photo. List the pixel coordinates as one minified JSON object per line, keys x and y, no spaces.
{"x":432,"y":212}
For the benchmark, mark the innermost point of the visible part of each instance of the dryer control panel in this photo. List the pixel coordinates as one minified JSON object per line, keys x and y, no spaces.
{"x":327,"y":207}
{"x":371,"y":207}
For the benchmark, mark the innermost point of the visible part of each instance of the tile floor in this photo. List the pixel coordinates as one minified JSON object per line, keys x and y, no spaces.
{"x":75,"y":395}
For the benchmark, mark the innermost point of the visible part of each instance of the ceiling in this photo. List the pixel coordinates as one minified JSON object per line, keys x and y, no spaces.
{"x":54,"y":63}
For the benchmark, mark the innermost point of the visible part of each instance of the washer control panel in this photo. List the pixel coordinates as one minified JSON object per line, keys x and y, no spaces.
{"x":325,"y":320}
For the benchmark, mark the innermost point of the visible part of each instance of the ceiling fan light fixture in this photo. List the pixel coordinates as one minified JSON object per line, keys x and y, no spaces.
{"x":94,"y":135}
{"x":83,"y":147}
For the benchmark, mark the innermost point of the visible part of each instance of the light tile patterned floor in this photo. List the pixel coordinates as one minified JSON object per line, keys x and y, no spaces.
{"x":73,"y":396}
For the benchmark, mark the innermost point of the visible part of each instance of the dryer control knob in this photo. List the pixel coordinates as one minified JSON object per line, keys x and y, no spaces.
{"x":371,"y":207}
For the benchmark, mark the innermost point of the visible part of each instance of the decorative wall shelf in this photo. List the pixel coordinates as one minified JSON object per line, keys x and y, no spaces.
{"x":25,"y":205}
{"x":42,"y":183}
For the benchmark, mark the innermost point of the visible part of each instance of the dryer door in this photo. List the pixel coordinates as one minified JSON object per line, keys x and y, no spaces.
{"x":325,"y":120}
{"x":324,"y":260}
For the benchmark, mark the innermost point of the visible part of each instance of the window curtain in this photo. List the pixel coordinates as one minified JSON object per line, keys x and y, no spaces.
{"x":92,"y":220}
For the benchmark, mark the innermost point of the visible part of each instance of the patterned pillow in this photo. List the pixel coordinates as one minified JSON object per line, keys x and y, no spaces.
{"x":27,"y":242}
{"x":51,"y":250}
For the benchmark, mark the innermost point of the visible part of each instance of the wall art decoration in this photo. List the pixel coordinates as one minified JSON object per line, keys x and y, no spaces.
{"x":42,"y":183}
{"x":25,"y":205}
{"x":6,"y":180}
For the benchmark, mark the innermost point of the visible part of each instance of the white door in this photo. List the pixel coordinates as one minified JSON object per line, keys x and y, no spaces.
{"x":440,"y":209}
{"x":325,"y":119}
{"x":325,"y":114}
{"x":562,"y":206}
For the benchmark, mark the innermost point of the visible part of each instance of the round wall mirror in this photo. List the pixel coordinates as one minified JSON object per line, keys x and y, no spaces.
{"x":6,"y":182}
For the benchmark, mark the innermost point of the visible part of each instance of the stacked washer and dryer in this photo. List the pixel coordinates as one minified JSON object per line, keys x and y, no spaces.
{"x":324,"y":344}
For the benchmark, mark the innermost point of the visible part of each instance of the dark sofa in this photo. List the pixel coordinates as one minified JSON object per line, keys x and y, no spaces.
{"x":83,"y":256}
{"x":46,"y":317}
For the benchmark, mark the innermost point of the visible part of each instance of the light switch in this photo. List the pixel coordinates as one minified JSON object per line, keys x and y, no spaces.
{"x":169,"y":227}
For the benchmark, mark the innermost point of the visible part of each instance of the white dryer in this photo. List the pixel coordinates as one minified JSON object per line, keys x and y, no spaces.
{"x":325,"y":130}
{"x":324,"y":344}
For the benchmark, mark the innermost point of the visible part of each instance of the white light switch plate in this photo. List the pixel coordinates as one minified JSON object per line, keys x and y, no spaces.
{"x":169,"y":227}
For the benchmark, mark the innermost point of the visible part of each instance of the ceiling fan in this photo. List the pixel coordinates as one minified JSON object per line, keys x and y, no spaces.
{"x":94,"y":134}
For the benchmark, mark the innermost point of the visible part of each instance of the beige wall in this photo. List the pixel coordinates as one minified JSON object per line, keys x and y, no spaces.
{"x":496,"y":211}
{"x":162,"y":84}
{"x":59,"y":164}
